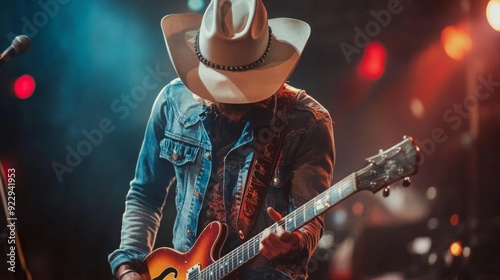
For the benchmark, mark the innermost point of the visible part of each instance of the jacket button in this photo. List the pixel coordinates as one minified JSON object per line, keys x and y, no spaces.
{"x":197,"y":195}
{"x":189,"y":232}
{"x":276,"y":181}
{"x":175,"y":156}
{"x":208,"y":155}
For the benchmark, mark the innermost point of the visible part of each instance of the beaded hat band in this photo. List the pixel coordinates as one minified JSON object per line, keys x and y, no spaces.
{"x":250,"y":66}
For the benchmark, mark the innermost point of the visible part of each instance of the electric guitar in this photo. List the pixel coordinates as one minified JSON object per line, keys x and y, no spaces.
{"x":203,"y":261}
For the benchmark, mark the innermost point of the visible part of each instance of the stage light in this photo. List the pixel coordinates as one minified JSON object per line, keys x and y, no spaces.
{"x":372,"y":65}
{"x":432,"y":223}
{"x":420,"y":245}
{"x":358,"y":208}
{"x":24,"y":86}
{"x":456,"y":249}
{"x":431,"y":193}
{"x":340,"y":217}
{"x":493,"y":14}
{"x":432,"y":258}
{"x":454,"y":219}
{"x":326,"y":241}
{"x":466,"y":252}
{"x":196,"y":5}
{"x":456,"y":41}
{"x":417,"y":108}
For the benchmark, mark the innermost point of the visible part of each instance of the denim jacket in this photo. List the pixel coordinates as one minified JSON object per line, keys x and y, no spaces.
{"x":177,"y":151}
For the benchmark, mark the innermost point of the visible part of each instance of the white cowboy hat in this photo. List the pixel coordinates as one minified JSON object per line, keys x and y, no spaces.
{"x":234,"y":54}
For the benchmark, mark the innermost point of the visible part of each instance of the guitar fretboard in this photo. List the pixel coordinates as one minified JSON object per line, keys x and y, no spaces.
{"x":291,"y":222}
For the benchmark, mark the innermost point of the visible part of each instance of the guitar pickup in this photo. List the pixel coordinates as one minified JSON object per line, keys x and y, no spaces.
{"x":193,"y":273}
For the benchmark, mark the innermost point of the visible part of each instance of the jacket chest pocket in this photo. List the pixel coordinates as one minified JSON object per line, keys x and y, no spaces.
{"x":177,"y":152}
{"x":182,"y":156}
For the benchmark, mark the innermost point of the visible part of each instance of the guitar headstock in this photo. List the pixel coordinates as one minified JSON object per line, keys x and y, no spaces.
{"x":391,"y":165}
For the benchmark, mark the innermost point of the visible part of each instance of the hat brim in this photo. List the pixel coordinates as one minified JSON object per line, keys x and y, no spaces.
{"x":259,"y":83}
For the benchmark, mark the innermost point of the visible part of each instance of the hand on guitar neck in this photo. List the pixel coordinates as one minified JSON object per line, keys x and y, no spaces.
{"x":280,"y":243}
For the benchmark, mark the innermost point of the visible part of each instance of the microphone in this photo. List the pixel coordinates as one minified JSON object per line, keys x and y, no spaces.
{"x":20,"y":45}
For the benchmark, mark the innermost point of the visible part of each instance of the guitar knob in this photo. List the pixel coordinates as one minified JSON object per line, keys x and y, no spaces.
{"x":406,"y":182}
{"x":387,"y":191}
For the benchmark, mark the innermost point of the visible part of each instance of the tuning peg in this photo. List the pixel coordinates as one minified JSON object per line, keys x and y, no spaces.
{"x":406,"y":182}
{"x":387,"y":191}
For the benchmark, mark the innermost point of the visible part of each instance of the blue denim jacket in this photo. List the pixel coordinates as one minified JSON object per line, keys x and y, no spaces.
{"x":177,"y":151}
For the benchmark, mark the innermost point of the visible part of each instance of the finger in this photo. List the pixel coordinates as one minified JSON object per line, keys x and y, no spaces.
{"x":273,"y":214}
{"x":272,"y":244}
{"x":269,"y":244}
{"x":289,"y":237}
{"x":286,"y":242}
{"x":265,"y":247}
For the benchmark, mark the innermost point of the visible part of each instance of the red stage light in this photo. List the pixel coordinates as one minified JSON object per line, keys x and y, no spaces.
{"x":454,"y":219}
{"x":372,"y":66}
{"x":24,"y":86}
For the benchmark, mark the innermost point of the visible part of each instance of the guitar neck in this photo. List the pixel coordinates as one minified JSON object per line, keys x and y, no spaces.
{"x":291,"y":222}
{"x":318,"y":205}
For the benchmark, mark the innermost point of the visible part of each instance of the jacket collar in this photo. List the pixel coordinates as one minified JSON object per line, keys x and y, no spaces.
{"x":188,"y":107}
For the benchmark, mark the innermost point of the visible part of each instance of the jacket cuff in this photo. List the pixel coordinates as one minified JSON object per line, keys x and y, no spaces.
{"x":130,"y":256}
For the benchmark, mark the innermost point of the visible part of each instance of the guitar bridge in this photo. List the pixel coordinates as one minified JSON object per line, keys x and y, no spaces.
{"x":193,"y":273}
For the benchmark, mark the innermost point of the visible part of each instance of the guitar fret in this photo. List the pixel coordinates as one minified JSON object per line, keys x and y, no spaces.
{"x":304,"y":216}
{"x":256,"y":246}
{"x":316,"y":208}
{"x":234,"y":261}
{"x":251,"y":248}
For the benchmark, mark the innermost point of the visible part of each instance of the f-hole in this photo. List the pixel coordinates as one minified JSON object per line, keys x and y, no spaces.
{"x":166,"y":272}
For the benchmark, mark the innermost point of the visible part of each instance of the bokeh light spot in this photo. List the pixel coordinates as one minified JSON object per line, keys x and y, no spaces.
{"x":431,"y":193}
{"x":358,"y":208}
{"x":372,"y":65}
{"x":196,"y":5}
{"x":417,"y":108}
{"x":456,"y":41}
{"x":24,"y":86}
{"x":454,"y":219}
{"x":493,"y":14}
{"x":456,"y":248}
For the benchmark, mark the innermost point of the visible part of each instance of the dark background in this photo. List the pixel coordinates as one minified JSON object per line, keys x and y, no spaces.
{"x":88,"y":57}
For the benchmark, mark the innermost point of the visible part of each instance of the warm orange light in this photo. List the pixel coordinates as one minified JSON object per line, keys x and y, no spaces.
{"x":454,"y":219}
{"x":456,"y":41}
{"x":456,"y":249}
{"x":493,"y":14}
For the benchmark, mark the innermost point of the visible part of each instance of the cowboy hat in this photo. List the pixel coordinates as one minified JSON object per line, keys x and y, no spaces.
{"x":233,"y":53}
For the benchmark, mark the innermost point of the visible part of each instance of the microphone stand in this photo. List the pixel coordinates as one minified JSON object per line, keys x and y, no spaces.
{"x":24,"y":273}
